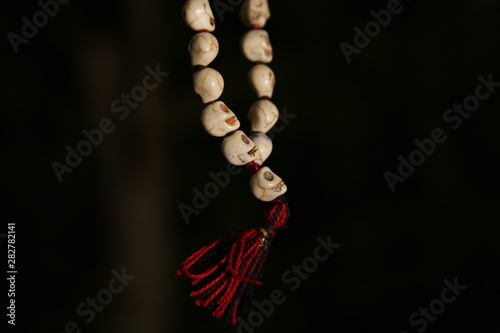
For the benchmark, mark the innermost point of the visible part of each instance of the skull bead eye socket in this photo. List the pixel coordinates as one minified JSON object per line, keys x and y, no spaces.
{"x":245,"y":139}
{"x":224,"y":108}
{"x":268,"y":176}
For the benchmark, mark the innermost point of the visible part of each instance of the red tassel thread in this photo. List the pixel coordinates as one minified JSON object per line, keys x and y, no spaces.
{"x":222,"y":270}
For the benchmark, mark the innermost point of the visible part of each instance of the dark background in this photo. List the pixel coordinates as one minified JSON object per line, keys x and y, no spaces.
{"x":119,"y":207}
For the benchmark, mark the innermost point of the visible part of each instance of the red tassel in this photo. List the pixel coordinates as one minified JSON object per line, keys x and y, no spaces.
{"x":222,"y":270}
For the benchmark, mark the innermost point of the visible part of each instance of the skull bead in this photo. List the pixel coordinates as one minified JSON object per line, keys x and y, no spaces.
{"x":262,"y":80}
{"x":263,"y":114}
{"x":218,"y":119}
{"x":255,"y":12}
{"x":266,"y":185}
{"x":238,"y":149}
{"x":203,"y":48}
{"x":198,"y":15}
{"x":256,"y":46}
{"x":208,"y":84}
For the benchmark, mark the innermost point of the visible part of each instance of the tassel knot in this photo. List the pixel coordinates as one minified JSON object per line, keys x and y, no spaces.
{"x":222,"y":270}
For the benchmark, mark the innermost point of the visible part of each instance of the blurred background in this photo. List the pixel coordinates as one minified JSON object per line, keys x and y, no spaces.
{"x":344,"y":126}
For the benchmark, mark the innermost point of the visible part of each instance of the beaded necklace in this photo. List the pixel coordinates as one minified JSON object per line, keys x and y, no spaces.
{"x":223,"y":272}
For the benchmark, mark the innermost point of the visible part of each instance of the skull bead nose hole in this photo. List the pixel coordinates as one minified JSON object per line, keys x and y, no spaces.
{"x":245,"y":139}
{"x":268,"y":176}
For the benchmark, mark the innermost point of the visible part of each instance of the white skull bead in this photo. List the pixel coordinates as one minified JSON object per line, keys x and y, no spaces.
{"x":266,"y":185}
{"x":262,"y":80}
{"x":238,"y":149}
{"x":263,"y":114}
{"x":265,"y":146}
{"x":208,"y":84}
{"x":218,"y":120}
{"x":198,"y":15}
{"x":256,"y":46}
{"x":203,"y":48}
{"x":255,"y":12}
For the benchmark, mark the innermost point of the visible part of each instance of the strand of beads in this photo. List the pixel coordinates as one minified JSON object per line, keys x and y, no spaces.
{"x":263,"y":114}
{"x":223,"y":271}
{"x":217,"y":119}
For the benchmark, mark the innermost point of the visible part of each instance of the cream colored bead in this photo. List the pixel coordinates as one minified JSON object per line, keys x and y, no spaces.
{"x":265,"y":146}
{"x":208,"y":84}
{"x":198,"y":15}
{"x":262,"y":80}
{"x":255,"y":12}
{"x":203,"y":48}
{"x":218,"y":120}
{"x":263,"y":115}
{"x":266,"y":185}
{"x":256,"y":46}
{"x":238,"y":149}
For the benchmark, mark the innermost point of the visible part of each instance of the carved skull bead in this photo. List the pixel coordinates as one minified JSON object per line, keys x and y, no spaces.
{"x":238,"y":149}
{"x":198,"y":15}
{"x":203,"y":48}
{"x":208,"y":84}
{"x":218,"y":120}
{"x":263,"y":115}
{"x":262,"y":80}
{"x":266,"y":185}
{"x":256,"y":46}
{"x":255,"y":12}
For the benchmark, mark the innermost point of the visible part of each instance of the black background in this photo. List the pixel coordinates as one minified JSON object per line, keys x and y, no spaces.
{"x":119,"y":207}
